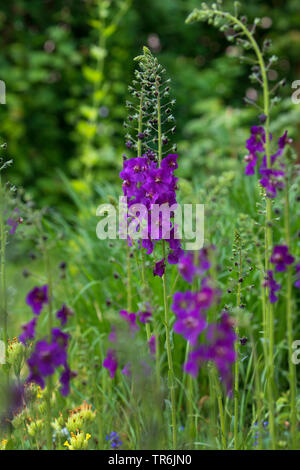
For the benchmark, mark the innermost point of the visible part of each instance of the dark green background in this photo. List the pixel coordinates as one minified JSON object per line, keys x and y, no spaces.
{"x":46,"y":90}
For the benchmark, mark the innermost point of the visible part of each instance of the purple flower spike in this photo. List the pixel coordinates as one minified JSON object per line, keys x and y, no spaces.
{"x":281,"y":257}
{"x":28,"y":331}
{"x":63,"y":314}
{"x":273,"y":287}
{"x":111,"y":363}
{"x":37,"y":298}
{"x":159,"y":268}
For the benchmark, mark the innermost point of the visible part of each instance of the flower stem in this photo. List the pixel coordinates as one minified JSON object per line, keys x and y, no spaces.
{"x":169,"y":354}
{"x":3,"y":271}
{"x":129,"y":293}
{"x":236,"y":366}
{"x":292,"y":371}
{"x":221,"y":409}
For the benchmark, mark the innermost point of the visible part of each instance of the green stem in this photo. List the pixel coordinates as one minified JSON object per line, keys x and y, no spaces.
{"x":129,"y":293}
{"x":169,"y":354}
{"x":221,"y":409}
{"x":236,"y":366}
{"x":3,"y":271}
{"x":292,"y":370}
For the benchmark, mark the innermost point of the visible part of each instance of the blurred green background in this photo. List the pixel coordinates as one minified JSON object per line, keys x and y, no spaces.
{"x":67,"y":66}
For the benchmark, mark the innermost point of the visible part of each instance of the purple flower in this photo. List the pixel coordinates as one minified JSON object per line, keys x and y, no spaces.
{"x":28,"y":331}
{"x":159,"y":268}
{"x":251,"y":160}
{"x":37,"y":298}
{"x":281,"y":257}
{"x":297,"y":283}
{"x":187,"y":267}
{"x":190,"y":325}
{"x":131,"y":320}
{"x":65,"y":379}
{"x":192,"y":264}
{"x":254,"y":144}
{"x":170,"y":162}
{"x":175,"y":255}
{"x":145,"y":317}
{"x":114,"y":440}
{"x":43,"y":360}
{"x":272,"y":181}
{"x":63,"y":314}
{"x":111,"y":363}
{"x":272,"y":285}
{"x":183,"y":302}
{"x":60,"y":340}
{"x":126,"y":370}
{"x":14,"y":222}
{"x":152,"y":345}
{"x":112,"y":337}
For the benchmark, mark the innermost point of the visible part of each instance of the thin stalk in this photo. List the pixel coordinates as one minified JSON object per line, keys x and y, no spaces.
{"x":292,"y":369}
{"x":129,"y":291}
{"x":236,"y":366}
{"x":259,"y":405}
{"x":169,"y":354}
{"x":3,"y":272}
{"x":221,"y":409}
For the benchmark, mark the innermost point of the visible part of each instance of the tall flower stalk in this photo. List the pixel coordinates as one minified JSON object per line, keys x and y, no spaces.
{"x":149,"y":179}
{"x":226,"y":22}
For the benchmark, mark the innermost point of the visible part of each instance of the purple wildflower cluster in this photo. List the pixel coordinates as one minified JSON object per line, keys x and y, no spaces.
{"x":190,"y":310}
{"x":47,"y":356}
{"x":146,"y":183}
{"x":272,"y":178}
{"x":110,"y":362}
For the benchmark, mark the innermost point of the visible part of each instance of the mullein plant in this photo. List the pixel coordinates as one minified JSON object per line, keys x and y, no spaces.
{"x":148,"y":178}
{"x":268,"y":159}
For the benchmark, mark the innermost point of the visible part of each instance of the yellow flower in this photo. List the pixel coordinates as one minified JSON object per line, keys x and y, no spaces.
{"x":3,"y":444}
{"x":78,"y":441}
